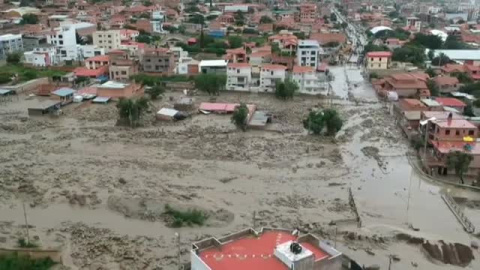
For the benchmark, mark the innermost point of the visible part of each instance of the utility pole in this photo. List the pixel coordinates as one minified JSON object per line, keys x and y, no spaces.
{"x":390,"y":262}
{"x":26,"y":222}
{"x":336,"y":230}
{"x":254,"y":219}
{"x":177,"y":236}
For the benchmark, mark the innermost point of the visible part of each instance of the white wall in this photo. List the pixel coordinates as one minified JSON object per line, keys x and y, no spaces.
{"x":197,"y":263}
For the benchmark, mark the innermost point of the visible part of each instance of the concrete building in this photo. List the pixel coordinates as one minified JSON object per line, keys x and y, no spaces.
{"x":41,"y":56}
{"x":307,"y":80}
{"x":269,"y":75}
{"x":447,"y":84}
{"x":272,"y":249}
{"x":308,"y":52}
{"x":239,"y":76}
{"x":64,"y":39}
{"x":213,"y":66}
{"x":378,"y":60}
{"x":10,"y":43}
{"x":159,"y":60}
{"x":121,"y":65}
{"x":115,"y":89}
{"x":308,"y":12}
{"x":187,"y":65}
{"x":158,"y":18}
{"x":88,"y":51}
{"x":32,"y":42}
{"x":109,"y":40}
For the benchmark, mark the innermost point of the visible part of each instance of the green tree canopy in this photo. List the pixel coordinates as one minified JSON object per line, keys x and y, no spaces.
{"x":29,"y":19}
{"x":431,"y":72}
{"x":433,"y":87}
{"x":131,"y":110}
{"x":441,"y":60}
{"x":453,"y":43}
{"x":210,"y":83}
{"x":286,"y":89}
{"x":459,"y":161}
{"x":266,"y":19}
{"x":239,"y":117}
{"x":235,"y":41}
{"x":409,"y":53}
{"x":432,"y":42}
{"x":14,"y":58}
{"x":155,"y":91}
{"x":317,"y":121}
{"x":463,"y":77}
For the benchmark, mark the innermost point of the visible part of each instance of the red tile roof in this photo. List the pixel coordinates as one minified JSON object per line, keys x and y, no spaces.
{"x":324,"y":38}
{"x":274,"y":67}
{"x":238,"y":65}
{"x":445,"y":80}
{"x":302,"y":69}
{"x":253,"y":253}
{"x":379,"y":54}
{"x":450,"y":102}
{"x":85,"y":72}
{"x":99,"y":58}
{"x":455,"y":123}
{"x":445,"y":147}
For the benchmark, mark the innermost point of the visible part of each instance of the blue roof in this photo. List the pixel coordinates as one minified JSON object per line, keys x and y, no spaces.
{"x":63,"y":92}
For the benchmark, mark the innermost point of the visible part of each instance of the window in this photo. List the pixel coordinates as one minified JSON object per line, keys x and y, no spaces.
{"x":304,"y":52}
{"x":61,"y":42}
{"x":313,"y":52}
{"x":447,"y":132}
{"x":271,"y":73}
{"x":457,"y":132}
{"x":379,"y":65}
{"x":471,"y":132}
{"x":371,"y":59}
{"x":109,"y":36}
{"x":116,"y":73}
{"x":124,"y":72}
{"x":60,"y":36}
{"x":238,"y":71}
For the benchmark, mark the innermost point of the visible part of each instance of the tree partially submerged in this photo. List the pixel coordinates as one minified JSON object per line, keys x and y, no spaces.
{"x":210,"y":83}
{"x":459,"y":161}
{"x":155,"y":91}
{"x":239,"y":117}
{"x":131,"y":110}
{"x":286,"y":89}
{"x":318,"y":121}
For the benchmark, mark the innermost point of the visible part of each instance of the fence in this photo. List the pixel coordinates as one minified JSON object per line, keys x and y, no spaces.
{"x":467,"y":225}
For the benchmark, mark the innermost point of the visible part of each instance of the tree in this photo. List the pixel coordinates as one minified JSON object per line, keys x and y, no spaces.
{"x":25,"y":3}
{"x":235,"y":41}
{"x":286,"y":89}
{"x":29,"y":19}
{"x":239,"y":18}
{"x":409,"y":53}
{"x":370,"y":47}
{"x":239,"y":117}
{"x":210,"y":83}
{"x":459,"y":161}
{"x":462,"y":77}
{"x":333,"y":17}
{"x":317,"y":121}
{"x":147,"y":3}
{"x":14,"y":58}
{"x":131,"y":110}
{"x":431,"y":54}
{"x":344,"y":25}
{"x":314,"y":122}
{"x":431,"y":72}
{"x":433,"y":87}
{"x":333,"y":121}
{"x":155,"y":91}
{"x":468,"y":111}
{"x":453,"y":43}
{"x":431,"y":42}
{"x":441,"y":60}
{"x":197,"y":19}
{"x":266,"y":19}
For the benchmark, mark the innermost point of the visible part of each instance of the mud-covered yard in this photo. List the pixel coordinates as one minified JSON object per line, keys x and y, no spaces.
{"x":99,"y":191}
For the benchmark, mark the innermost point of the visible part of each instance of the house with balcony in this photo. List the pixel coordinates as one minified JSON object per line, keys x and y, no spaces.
{"x":378,"y":60}
{"x":239,"y":76}
{"x":308,"y":53}
{"x":238,"y":55}
{"x":270,"y":74}
{"x":406,"y":84}
{"x":307,"y":79}
{"x":121,"y":66}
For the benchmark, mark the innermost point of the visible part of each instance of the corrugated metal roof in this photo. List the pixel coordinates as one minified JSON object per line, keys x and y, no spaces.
{"x":167,"y":112}
{"x":63,"y":92}
{"x":101,"y":99}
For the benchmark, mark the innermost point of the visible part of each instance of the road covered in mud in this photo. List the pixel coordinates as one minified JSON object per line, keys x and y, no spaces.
{"x":99,"y":191}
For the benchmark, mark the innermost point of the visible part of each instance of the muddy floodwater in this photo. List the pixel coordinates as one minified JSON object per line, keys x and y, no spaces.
{"x":98,"y":191}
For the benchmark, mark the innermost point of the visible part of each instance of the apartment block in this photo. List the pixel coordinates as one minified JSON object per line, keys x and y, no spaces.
{"x":109,"y":40}
{"x":269,"y":75}
{"x":308,"y":52}
{"x":239,"y":76}
{"x":307,"y":80}
{"x":158,"y":61}
{"x":10,"y":43}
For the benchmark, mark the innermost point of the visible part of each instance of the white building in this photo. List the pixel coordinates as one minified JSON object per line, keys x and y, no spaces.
{"x":308,"y":52}
{"x":183,"y":64}
{"x":10,"y":43}
{"x":158,"y":18}
{"x":213,"y":66}
{"x":42,"y":56}
{"x":269,"y":75}
{"x":87,"y":51}
{"x":239,"y":76}
{"x":65,"y":40}
{"x":109,"y":40}
{"x":307,"y":79}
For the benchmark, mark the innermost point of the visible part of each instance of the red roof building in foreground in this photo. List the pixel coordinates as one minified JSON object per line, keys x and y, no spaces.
{"x":269,"y":249}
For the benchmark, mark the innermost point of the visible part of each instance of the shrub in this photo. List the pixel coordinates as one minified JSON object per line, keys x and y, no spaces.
{"x":189,"y":217}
